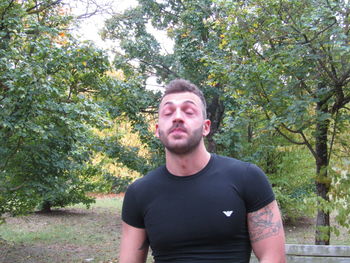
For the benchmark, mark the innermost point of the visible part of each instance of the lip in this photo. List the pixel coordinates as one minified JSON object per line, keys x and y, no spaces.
{"x":178,"y":130}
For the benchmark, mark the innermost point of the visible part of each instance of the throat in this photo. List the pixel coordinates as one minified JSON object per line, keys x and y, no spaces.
{"x":187,"y":166}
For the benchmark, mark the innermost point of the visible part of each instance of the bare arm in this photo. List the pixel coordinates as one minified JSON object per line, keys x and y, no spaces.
{"x":134,"y":245}
{"x":267,"y":234}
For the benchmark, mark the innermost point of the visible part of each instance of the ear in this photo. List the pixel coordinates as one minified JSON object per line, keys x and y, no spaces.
{"x":157,"y":130}
{"x":206,"y":127}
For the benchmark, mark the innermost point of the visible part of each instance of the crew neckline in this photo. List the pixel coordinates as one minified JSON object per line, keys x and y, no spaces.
{"x":192,"y":176}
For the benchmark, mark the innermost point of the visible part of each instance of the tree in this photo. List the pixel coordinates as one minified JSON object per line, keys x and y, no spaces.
{"x":195,"y":27}
{"x":190,"y":25}
{"x":49,"y":100}
{"x":289,"y":59}
{"x":127,"y":100}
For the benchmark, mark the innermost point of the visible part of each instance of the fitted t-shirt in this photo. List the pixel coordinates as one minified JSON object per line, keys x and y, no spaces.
{"x":201,"y":217}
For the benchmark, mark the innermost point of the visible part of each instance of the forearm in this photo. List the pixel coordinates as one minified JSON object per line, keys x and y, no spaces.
{"x":139,"y":256}
{"x":133,"y":245}
{"x":133,"y":258}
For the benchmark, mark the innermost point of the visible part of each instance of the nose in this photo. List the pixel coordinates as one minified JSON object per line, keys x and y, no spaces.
{"x":178,"y":116}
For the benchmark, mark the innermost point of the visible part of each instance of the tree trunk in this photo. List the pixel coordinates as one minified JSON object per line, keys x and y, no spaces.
{"x":215,"y":114}
{"x":250,"y":132}
{"x":46,"y":207}
{"x":211,"y":144}
{"x":322,"y":236}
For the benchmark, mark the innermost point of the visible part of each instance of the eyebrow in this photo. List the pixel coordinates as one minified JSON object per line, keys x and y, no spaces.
{"x":185,"y":102}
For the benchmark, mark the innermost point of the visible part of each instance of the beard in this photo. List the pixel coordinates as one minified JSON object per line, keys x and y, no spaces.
{"x":182,"y":146}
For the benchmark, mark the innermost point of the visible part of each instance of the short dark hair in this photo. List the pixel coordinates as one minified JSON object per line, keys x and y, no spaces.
{"x":182,"y":85}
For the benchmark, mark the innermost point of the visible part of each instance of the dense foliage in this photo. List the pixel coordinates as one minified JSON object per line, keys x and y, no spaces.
{"x":49,"y":85}
{"x":275,"y":74}
{"x":289,"y":60}
{"x":59,"y":97}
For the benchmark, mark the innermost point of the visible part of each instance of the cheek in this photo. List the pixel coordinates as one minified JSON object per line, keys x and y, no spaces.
{"x":161,"y":135}
{"x":160,"y":129}
{"x":164,"y":124}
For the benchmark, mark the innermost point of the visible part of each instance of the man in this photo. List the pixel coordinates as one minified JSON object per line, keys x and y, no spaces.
{"x":199,"y":207}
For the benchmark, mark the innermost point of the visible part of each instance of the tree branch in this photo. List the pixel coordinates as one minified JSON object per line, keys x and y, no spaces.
{"x":288,"y":138}
{"x":345,"y":78}
{"x":331,"y":61}
{"x":19,"y":142}
{"x":341,"y":100}
{"x":160,"y":67}
{"x":324,"y":30}
{"x":322,"y":64}
{"x":333,"y":135}
{"x":309,"y":146}
{"x":4,"y":12}
{"x":305,"y":142}
{"x":38,"y":8}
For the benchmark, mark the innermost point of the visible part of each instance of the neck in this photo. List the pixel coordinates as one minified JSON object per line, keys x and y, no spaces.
{"x":187,"y":164}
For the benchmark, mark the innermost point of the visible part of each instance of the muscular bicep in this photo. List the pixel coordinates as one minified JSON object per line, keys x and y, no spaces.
{"x":134,"y":244}
{"x":267,"y":234}
{"x":264,"y":223}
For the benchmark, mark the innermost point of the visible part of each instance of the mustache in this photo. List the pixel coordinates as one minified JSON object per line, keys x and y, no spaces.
{"x":177,"y":126}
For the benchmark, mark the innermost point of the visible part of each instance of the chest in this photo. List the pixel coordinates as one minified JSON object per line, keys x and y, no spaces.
{"x":198,"y":213}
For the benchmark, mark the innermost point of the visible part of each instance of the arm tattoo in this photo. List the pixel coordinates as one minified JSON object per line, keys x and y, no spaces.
{"x":261,"y":225}
{"x":144,"y":245}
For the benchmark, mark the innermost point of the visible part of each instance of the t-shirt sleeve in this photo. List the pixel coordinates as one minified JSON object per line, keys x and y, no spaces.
{"x":131,"y":210}
{"x":257,"y":189}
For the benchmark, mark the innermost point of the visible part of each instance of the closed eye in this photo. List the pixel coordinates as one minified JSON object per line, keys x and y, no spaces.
{"x":167,"y":112}
{"x":189,"y":110}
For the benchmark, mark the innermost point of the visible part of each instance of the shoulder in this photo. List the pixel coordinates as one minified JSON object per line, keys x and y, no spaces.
{"x":224,"y":162}
{"x":240,"y":171}
{"x":230,"y":161}
{"x":144,"y":189}
{"x":147,"y":181}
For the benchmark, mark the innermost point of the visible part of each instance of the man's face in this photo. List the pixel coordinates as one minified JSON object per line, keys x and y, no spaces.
{"x":181,"y":124}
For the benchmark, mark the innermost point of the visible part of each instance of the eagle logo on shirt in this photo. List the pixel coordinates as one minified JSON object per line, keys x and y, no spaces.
{"x":227,"y":213}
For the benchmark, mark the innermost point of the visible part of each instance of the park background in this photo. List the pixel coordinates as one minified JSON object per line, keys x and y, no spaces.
{"x":77,"y":116}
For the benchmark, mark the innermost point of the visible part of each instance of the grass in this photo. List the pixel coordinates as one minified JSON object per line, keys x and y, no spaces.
{"x":113,"y":202}
{"x":303,"y":232}
{"x":76,"y":234}
{"x":73,"y":234}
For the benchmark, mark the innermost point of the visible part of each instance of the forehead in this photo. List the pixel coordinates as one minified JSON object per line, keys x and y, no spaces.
{"x":181,"y":98}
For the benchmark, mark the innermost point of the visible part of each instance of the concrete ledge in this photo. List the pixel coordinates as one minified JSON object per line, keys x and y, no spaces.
{"x":313,"y":253}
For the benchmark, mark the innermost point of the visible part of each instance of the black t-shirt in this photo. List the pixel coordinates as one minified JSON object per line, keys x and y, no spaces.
{"x":198,"y":218}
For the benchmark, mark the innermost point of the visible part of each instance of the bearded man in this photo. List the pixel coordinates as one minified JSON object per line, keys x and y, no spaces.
{"x":199,"y":207}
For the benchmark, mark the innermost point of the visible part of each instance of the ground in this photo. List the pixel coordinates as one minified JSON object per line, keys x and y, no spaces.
{"x":66,"y":235}
{"x":78,"y":235}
